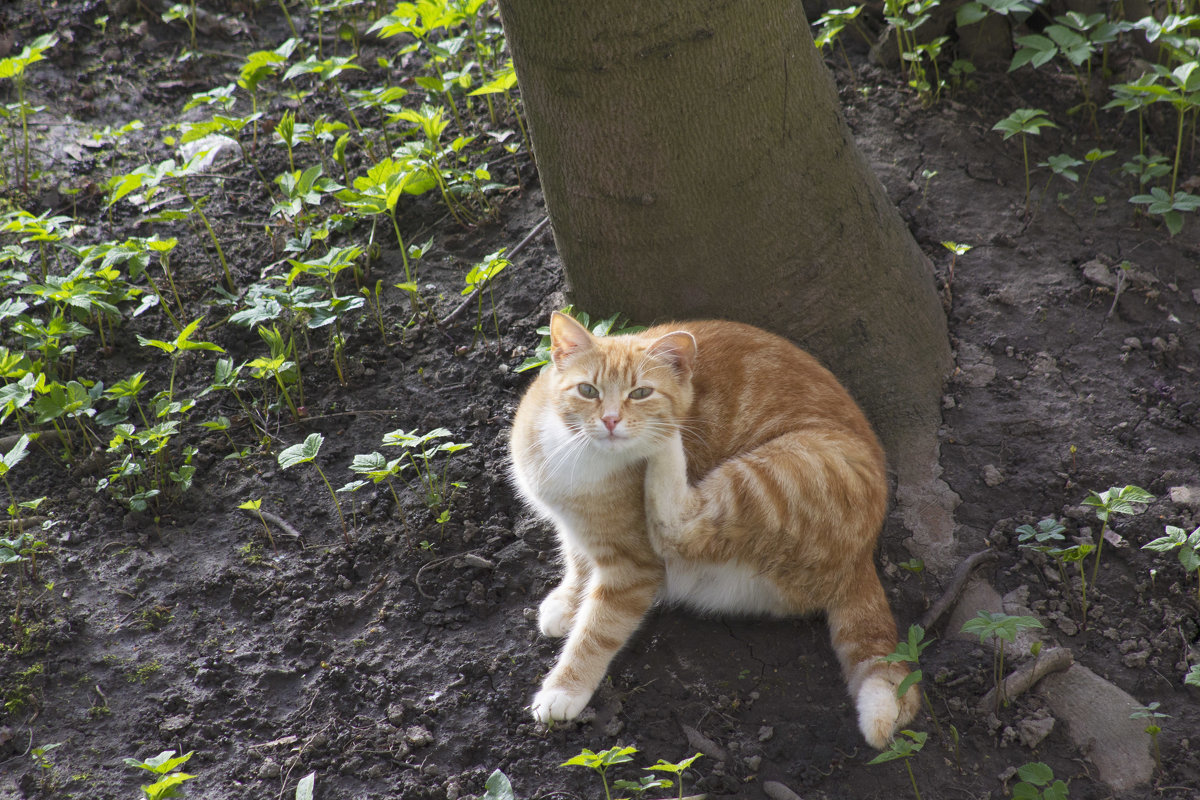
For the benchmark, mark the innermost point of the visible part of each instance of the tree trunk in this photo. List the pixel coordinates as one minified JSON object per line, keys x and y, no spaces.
{"x":695,"y":163}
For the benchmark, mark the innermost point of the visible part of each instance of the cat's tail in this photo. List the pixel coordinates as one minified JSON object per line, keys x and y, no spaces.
{"x":863,"y":631}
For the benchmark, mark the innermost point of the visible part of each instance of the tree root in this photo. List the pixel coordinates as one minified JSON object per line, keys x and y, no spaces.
{"x":957,"y":581}
{"x":1022,"y":679}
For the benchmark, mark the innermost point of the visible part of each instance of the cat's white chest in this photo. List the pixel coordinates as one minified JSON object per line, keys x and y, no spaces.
{"x":730,"y":588}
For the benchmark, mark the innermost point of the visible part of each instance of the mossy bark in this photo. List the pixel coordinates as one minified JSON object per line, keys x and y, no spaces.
{"x":695,"y":163}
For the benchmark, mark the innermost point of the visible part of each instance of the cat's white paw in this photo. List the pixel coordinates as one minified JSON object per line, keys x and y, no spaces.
{"x":879,"y":712}
{"x":558,"y":705}
{"x":556,"y":614}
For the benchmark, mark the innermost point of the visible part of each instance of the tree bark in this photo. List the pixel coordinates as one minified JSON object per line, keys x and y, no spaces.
{"x":696,"y":163}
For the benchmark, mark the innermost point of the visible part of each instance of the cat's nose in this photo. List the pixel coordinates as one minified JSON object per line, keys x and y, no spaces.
{"x":610,"y":421}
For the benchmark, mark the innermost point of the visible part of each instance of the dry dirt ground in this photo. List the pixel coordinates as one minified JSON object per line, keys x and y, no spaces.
{"x":400,"y":665}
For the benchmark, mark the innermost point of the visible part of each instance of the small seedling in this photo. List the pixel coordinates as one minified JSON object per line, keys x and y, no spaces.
{"x":956,"y":250}
{"x":1188,"y":546}
{"x":675,"y":769}
{"x":601,"y":762}
{"x":256,"y":507}
{"x":909,"y":652}
{"x":498,"y":787}
{"x":1152,"y":714}
{"x":163,"y":767}
{"x":307,"y":451}
{"x":1003,"y":628}
{"x":1038,"y":783}
{"x":904,"y":748}
{"x":1128,"y":500}
{"x":1026,"y":122}
{"x":1193,"y":676}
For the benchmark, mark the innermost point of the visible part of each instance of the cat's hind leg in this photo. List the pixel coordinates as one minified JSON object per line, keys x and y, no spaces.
{"x":616,"y":601}
{"x":863,"y":631}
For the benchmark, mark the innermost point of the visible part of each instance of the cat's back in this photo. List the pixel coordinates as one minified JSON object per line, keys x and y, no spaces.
{"x":751,"y":386}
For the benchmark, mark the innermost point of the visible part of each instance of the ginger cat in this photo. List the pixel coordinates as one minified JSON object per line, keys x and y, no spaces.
{"x":714,"y":465}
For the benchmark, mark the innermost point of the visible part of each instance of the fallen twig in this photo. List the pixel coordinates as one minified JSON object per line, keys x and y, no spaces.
{"x":957,"y":581}
{"x":1021,"y":680}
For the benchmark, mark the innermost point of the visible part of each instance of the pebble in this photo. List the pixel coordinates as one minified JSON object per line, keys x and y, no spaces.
{"x":992,"y":476}
{"x":418,"y":736}
{"x":777,"y":791}
{"x":269,"y":769}
{"x":395,"y":714}
{"x":1067,"y":626}
{"x":766,"y":733}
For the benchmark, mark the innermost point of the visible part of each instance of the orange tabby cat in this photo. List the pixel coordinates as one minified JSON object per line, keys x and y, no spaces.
{"x":714,"y":465}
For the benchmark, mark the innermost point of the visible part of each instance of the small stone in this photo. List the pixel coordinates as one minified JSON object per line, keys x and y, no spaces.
{"x":1159,"y":344}
{"x":1067,"y":626}
{"x":173,"y":726}
{"x":269,"y":770}
{"x":1136,"y":660}
{"x":1133,"y":343}
{"x":992,"y":476}
{"x":1097,"y":272}
{"x":1032,"y":731}
{"x":753,"y":763}
{"x":343,"y":582}
{"x":418,"y":736}
{"x":766,"y":733}
{"x":395,"y":714}
{"x":777,"y":791}
{"x":1185,"y":495}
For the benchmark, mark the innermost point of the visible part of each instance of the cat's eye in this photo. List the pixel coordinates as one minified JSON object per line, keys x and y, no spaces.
{"x":588,"y":391}
{"x":641,"y":393}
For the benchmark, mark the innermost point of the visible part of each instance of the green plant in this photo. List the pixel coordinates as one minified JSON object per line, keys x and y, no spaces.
{"x":1192,"y":678}
{"x":1038,"y":783}
{"x":1127,"y":500}
{"x":305,"y":786}
{"x":601,"y":762}
{"x":498,"y":787}
{"x":830,"y":26}
{"x":1152,"y":714}
{"x":307,"y":451}
{"x":437,"y":487}
{"x":675,"y":769}
{"x":610,"y":326}
{"x":1002,"y":628}
{"x":1026,"y":122}
{"x":162,"y":767}
{"x":909,"y":652}
{"x":904,"y":747}
{"x":1188,"y":546}
{"x":479,"y":278}
{"x":1170,"y":207}
{"x":175,"y":348}
{"x":13,"y":68}
{"x":256,"y":506}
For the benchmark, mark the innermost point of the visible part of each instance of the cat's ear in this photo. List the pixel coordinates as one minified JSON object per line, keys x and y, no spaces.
{"x":567,"y":337}
{"x":679,"y":349}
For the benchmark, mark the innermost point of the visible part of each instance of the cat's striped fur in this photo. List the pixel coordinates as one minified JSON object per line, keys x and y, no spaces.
{"x":714,"y":465}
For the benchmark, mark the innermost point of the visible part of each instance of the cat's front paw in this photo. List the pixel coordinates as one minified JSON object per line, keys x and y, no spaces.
{"x":556,"y":613}
{"x":558,"y":705}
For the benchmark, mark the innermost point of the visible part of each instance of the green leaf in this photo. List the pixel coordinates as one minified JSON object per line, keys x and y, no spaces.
{"x":908,"y":681}
{"x":300,"y":453}
{"x":1036,"y":773}
{"x":498,"y":787}
{"x":304,"y":789}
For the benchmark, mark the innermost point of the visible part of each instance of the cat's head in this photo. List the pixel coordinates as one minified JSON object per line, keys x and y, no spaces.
{"x":622,"y":394}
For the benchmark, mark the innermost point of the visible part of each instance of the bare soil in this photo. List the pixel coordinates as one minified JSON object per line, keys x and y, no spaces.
{"x":395,"y":669}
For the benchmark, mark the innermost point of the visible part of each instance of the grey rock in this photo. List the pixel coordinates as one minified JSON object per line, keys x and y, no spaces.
{"x":1096,"y":715}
